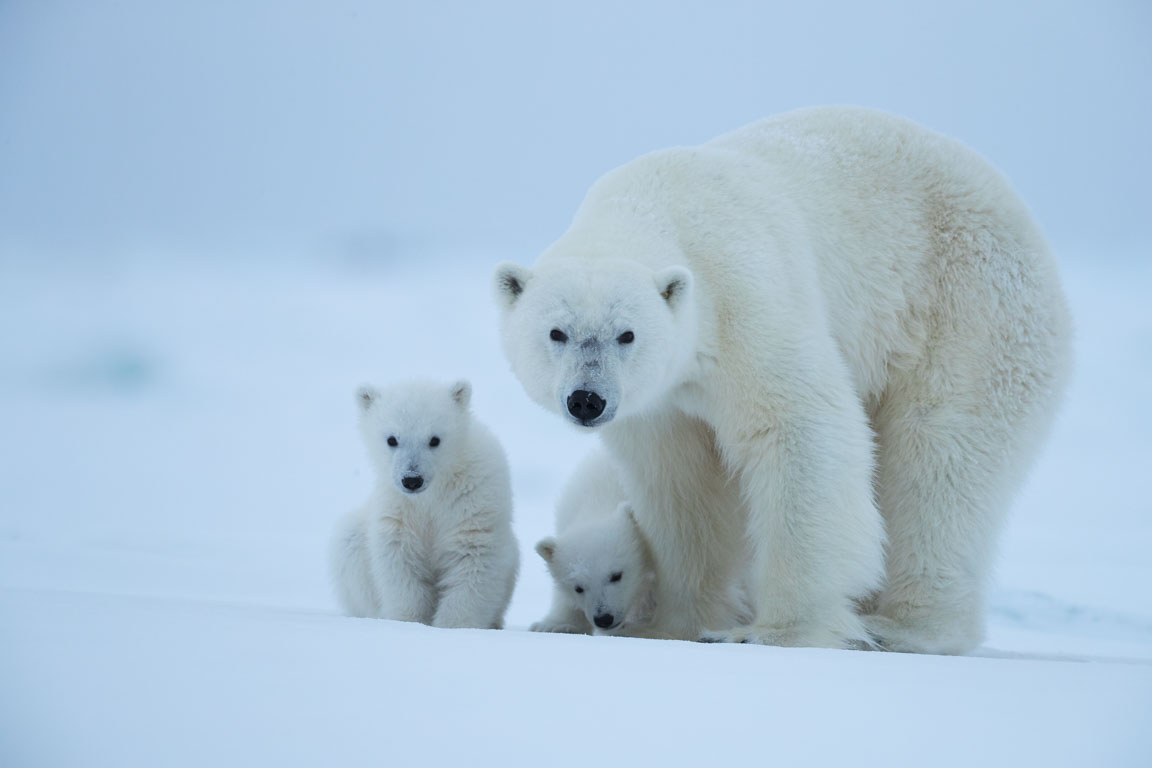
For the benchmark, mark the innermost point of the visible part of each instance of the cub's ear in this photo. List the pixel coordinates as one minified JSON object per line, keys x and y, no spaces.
{"x":675,"y":285}
{"x":510,"y":281}
{"x":365,"y":396}
{"x":462,"y":393}
{"x":546,"y":548}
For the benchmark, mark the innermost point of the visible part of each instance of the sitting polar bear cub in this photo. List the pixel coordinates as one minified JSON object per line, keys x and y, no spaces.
{"x":601,"y":564}
{"x":434,"y":542}
{"x":858,"y":318}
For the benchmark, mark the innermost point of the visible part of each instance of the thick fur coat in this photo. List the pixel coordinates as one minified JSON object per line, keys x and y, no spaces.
{"x":434,"y":542}
{"x":856,"y":319}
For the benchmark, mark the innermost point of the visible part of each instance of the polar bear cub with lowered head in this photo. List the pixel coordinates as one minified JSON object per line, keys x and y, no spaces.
{"x":602,"y":566}
{"x":604,"y":576}
{"x":434,"y":542}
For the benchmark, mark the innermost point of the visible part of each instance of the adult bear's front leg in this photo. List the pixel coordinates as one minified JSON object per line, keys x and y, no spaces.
{"x":802,"y":451}
{"x":688,"y":508}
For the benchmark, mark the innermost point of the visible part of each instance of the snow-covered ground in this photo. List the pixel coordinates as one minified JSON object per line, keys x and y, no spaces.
{"x":177,"y":439}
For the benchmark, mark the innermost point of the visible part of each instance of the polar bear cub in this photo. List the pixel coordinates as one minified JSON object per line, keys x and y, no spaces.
{"x":434,"y":542}
{"x":605,"y":579}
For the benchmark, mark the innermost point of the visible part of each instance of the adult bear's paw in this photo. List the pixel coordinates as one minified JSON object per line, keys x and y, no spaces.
{"x":789,"y":637}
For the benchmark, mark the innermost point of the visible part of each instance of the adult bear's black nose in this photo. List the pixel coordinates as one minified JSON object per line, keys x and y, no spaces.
{"x":604,"y":620}
{"x":412,"y":482}
{"x":585,"y":405}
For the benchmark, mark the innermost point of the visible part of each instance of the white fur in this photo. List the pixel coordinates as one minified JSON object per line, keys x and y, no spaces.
{"x":597,"y":535}
{"x":603,"y":576}
{"x":444,"y":553}
{"x":857,"y":318}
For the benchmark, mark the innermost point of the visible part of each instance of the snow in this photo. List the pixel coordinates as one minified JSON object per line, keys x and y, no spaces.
{"x":173,"y":682}
{"x":217,"y":220}
{"x":179,"y":440}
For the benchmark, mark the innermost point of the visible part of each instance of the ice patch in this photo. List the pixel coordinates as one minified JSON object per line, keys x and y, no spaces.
{"x":110,"y":367}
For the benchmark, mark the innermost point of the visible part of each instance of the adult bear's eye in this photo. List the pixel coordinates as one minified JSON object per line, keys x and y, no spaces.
{"x":626,"y":338}
{"x":616,"y":576}
{"x":579,"y":590}
{"x":392,"y":441}
{"x":558,"y":335}
{"x":435,"y":441}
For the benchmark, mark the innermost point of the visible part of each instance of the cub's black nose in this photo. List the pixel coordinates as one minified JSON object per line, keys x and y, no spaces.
{"x":412,"y":483}
{"x":585,"y":405}
{"x":604,"y":620}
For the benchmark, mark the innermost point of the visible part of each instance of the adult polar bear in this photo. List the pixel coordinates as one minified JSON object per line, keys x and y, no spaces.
{"x":859,"y":317}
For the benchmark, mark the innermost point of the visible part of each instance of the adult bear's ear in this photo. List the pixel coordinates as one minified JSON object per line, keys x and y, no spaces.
{"x":675,"y":285}
{"x":462,"y":393}
{"x":511,"y":280}
{"x":546,"y":548}
{"x":365,"y":396}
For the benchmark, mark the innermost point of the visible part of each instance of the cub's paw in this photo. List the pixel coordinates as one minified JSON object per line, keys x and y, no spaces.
{"x":558,"y":627}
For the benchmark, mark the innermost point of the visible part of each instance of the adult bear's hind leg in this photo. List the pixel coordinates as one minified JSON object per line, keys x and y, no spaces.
{"x":957,"y":431}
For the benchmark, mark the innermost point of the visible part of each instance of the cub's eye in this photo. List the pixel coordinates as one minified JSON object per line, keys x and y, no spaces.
{"x":435,"y":441}
{"x":558,"y":335}
{"x":616,"y":576}
{"x":392,"y":441}
{"x":579,"y":590}
{"x":626,"y":338}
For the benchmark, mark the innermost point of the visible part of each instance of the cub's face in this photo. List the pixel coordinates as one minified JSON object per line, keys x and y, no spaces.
{"x":604,"y":568}
{"x":413,"y":431}
{"x":596,"y":341}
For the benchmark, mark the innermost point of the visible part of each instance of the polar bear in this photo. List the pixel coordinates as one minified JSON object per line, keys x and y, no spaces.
{"x":434,"y":542}
{"x":602,"y":566}
{"x":596,"y":539}
{"x":605,"y":580}
{"x":858,"y":316}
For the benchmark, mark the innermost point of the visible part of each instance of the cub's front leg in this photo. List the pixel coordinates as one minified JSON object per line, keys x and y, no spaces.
{"x":404,"y":588}
{"x":564,"y":617}
{"x":475,"y":587}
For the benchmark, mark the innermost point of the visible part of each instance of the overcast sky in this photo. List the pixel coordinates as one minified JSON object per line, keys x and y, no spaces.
{"x":270,"y":127}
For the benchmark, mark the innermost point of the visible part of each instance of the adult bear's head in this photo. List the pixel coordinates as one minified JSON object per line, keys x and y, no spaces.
{"x":596,"y":339}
